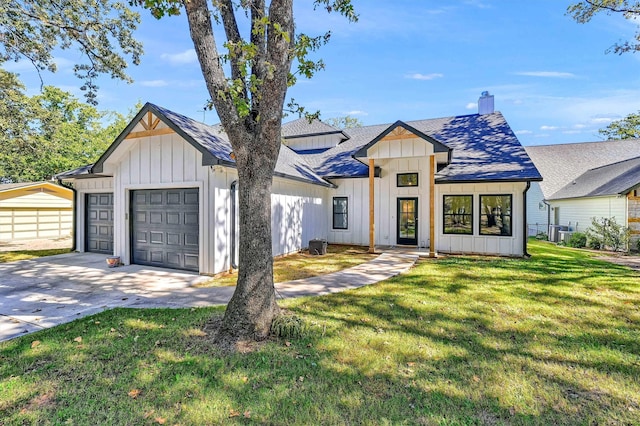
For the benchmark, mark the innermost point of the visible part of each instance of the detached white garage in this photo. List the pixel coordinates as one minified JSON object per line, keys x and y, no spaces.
{"x":34,"y":210}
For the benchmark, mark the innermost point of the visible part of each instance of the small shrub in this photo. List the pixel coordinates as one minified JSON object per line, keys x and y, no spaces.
{"x":288,"y":326}
{"x":638,"y":245}
{"x":542,"y":236}
{"x":606,"y":233}
{"x":594,"y":243}
{"x":577,"y":240}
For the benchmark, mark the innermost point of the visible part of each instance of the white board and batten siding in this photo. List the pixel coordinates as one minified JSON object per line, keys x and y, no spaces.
{"x":313,"y":142}
{"x":393,"y":157}
{"x":578,"y":212}
{"x":35,"y":213}
{"x":102,"y":185}
{"x":168,"y":161}
{"x":158,"y":162}
{"x":476,"y":243}
{"x":298,"y":214}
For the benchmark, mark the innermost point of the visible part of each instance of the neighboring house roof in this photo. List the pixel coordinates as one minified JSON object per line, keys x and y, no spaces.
{"x":214,"y":145}
{"x":11,"y":186}
{"x":561,"y":164}
{"x":302,"y":127}
{"x":483,"y":148}
{"x":614,"y":179}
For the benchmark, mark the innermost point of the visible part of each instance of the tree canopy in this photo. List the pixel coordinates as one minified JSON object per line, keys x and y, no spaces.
{"x":344,"y":122}
{"x":102,"y":30}
{"x":584,"y":11}
{"x":50,"y":132}
{"x":625,"y":128}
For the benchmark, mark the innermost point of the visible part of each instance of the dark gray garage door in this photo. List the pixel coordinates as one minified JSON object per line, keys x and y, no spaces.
{"x":165,"y":228}
{"x":99,"y":236}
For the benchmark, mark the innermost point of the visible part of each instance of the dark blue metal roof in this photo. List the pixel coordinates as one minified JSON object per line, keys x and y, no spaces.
{"x":484,"y":148}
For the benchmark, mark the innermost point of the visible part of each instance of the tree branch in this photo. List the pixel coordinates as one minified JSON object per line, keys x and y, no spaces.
{"x":235,"y":42}
{"x":201,"y":30}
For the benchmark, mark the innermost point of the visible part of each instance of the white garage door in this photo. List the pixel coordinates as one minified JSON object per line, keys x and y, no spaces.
{"x":30,"y":223}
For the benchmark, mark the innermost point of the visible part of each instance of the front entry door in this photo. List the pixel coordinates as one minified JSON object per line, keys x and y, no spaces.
{"x":408,"y":221}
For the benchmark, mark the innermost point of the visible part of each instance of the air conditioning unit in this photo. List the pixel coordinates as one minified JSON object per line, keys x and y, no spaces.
{"x":554,"y":232}
{"x":564,"y":236}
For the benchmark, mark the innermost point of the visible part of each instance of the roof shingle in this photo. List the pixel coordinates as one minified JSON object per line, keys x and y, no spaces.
{"x":561,"y":164}
{"x":613,"y":179}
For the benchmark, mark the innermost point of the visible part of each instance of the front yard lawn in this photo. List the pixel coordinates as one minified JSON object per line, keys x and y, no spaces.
{"x":554,"y":339}
{"x":12,"y":256}
{"x":304,"y":265}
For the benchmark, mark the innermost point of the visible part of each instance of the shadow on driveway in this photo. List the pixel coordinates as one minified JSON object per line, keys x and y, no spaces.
{"x":40,"y":293}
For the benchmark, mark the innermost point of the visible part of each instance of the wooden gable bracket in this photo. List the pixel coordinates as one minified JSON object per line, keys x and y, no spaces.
{"x":150,"y":124}
{"x":399,"y":133}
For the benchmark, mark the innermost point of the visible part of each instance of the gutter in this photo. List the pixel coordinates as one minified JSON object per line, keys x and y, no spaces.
{"x":232,"y":188}
{"x":75,"y":210}
{"x":525,"y":231}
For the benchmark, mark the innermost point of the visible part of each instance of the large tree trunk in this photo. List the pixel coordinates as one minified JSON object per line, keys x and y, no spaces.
{"x":253,"y":306}
{"x":255,"y":137}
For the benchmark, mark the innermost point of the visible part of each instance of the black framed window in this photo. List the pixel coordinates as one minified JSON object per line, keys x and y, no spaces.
{"x":495,"y":215}
{"x":340,"y":213}
{"x":407,"y":179}
{"x":458,"y":214}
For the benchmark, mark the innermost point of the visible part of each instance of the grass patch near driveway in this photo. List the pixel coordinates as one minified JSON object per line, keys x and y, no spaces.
{"x":12,"y":256}
{"x":554,"y":339}
{"x":303,"y":265}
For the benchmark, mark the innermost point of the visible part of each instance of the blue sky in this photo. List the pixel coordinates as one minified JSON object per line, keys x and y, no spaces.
{"x":415,"y":59}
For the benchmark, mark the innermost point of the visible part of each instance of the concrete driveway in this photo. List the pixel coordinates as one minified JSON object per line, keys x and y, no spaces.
{"x":43,"y":292}
{"x":48,"y":291}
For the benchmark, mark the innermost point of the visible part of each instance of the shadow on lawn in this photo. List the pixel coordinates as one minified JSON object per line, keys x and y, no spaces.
{"x":457,"y":341}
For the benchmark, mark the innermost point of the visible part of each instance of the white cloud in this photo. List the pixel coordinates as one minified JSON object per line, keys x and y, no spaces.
{"x":357,"y":112}
{"x":154,"y":83}
{"x":187,"y":57}
{"x":547,"y":128}
{"x":547,"y":74}
{"x":418,"y":76}
{"x":472,"y":105}
{"x":603,"y":119}
{"x":571,"y":132}
{"x":523,"y":132}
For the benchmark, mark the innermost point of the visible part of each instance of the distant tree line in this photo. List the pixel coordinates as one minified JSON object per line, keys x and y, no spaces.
{"x":49,"y":132}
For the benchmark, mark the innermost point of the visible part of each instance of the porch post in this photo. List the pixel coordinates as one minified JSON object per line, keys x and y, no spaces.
{"x":372,"y":226}
{"x":432,"y":198}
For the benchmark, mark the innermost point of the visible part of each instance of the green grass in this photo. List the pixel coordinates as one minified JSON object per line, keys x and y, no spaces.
{"x":303,"y":265}
{"x":12,"y":256}
{"x":554,"y":339}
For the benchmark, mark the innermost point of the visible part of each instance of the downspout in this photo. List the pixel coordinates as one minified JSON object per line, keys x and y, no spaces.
{"x":74,"y":214}
{"x":232,"y":188}
{"x":525,"y":232}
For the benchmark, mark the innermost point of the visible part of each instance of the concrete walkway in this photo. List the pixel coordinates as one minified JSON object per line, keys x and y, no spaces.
{"x":41,"y":293}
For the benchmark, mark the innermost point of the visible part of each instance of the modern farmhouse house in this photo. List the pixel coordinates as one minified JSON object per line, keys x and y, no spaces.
{"x":163,"y":193}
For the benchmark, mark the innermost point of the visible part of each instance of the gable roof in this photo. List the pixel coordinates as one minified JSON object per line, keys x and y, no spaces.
{"x":561,"y":164}
{"x":302,"y":127}
{"x":613,"y":179}
{"x":6,"y":187}
{"x":437,"y":146}
{"x":214,"y":145}
{"x":483,"y":148}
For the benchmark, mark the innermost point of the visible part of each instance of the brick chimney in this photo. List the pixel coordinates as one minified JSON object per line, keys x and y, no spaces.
{"x":485,"y":103}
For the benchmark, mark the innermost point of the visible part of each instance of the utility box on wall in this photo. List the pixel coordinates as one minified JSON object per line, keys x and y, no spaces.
{"x":317,"y":247}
